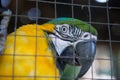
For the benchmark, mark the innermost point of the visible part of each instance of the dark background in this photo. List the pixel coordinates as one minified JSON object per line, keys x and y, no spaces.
{"x":91,"y":12}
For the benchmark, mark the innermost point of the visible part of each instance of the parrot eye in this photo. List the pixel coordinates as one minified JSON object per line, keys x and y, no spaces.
{"x":64,"y":29}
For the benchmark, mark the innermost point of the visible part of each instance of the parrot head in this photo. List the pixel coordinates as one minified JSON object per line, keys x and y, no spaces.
{"x":74,"y":42}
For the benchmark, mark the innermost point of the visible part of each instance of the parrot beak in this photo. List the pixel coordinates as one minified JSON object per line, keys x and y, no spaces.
{"x":83,"y":52}
{"x":82,"y":55}
{"x":86,"y":52}
{"x":48,"y":28}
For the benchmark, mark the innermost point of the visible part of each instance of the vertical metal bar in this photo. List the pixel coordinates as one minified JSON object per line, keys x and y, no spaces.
{"x":16,"y":18}
{"x":55,"y":9}
{"x":55,"y":6}
{"x":36,"y":39}
{"x":110,"y":41}
{"x":89,"y":9}
{"x":72,"y":6}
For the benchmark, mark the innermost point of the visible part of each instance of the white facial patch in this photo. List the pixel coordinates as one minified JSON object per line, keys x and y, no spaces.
{"x":59,"y":44}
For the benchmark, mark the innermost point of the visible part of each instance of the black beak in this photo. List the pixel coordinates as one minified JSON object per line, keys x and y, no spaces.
{"x":86,"y":52}
{"x":82,"y":55}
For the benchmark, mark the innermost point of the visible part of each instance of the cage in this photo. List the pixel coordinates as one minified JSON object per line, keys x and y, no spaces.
{"x":104,"y":16}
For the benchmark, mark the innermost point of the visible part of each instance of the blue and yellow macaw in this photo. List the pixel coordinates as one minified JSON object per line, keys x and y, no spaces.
{"x":61,"y":49}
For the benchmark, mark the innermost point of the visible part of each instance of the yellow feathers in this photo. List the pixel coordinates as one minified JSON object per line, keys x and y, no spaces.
{"x":27,"y":55}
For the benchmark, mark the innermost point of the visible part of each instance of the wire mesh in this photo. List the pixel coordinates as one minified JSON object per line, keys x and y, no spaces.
{"x":103,"y":16}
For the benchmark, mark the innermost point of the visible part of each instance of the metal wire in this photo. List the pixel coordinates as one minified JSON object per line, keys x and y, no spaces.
{"x":16,"y":21}
{"x":89,"y":10}
{"x":108,"y":18}
{"x":55,"y":9}
{"x":55,"y":2}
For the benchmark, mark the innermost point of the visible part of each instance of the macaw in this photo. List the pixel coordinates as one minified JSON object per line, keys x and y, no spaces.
{"x":61,"y":49}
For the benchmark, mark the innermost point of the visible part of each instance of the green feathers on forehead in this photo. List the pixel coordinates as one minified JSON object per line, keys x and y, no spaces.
{"x":75,"y":22}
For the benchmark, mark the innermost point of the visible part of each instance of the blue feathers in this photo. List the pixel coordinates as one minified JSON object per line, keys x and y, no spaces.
{"x":63,"y":19}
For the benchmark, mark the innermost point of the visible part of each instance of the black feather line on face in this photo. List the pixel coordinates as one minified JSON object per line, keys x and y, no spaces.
{"x":71,"y":34}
